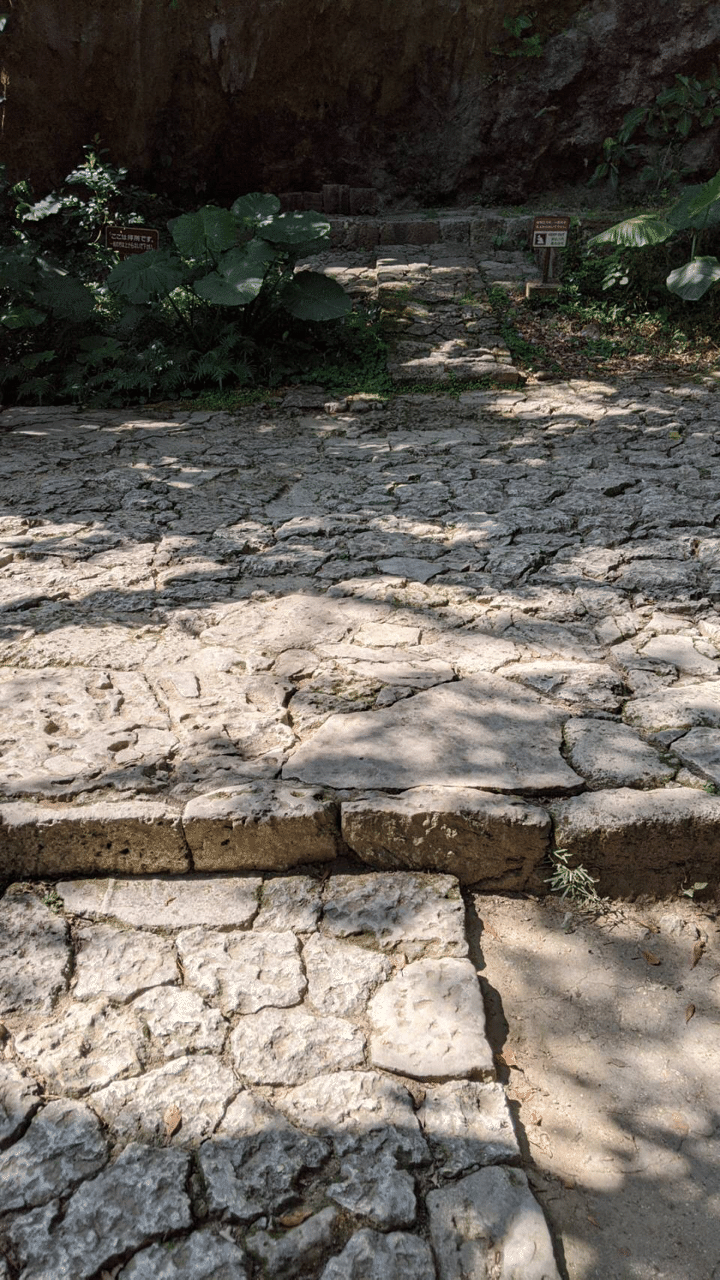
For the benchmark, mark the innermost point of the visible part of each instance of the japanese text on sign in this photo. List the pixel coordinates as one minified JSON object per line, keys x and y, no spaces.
{"x":550,"y":232}
{"x":128,"y":240}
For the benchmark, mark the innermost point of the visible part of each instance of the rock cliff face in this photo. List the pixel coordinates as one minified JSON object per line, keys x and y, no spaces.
{"x":407,"y":96}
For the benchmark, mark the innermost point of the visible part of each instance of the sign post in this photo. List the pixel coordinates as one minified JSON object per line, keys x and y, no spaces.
{"x":129,"y":240}
{"x":549,"y":232}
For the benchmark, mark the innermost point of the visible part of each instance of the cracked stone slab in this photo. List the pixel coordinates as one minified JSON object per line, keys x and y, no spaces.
{"x":382,"y":1193}
{"x":263,"y":826}
{"x":405,"y":911}
{"x":676,"y":709}
{"x":700,"y":749}
{"x":84,"y":1047}
{"x":289,"y":902}
{"x":370,"y":1255}
{"x":340,"y":976}
{"x":243,"y":972}
{"x":220,"y":901}
{"x":140,"y":1196}
{"x":198,"y":1085}
{"x":180,"y":1022}
{"x":641,"y":841}
{"x":63,"y":1146}
{"x":489,"y":1224}
{"x":608,"y":754}
{"x":479,"y":837}
{"x":290,"y":1255}
{"x":204,"y":1255}
{"x":119,"y":964}
{"x":34,"y":953}
{"x":468,"y":1124}
{"x":287,"y":1046}
{"x":131,"y":836}
{"x":482,"y":731}
{"x":361,"y":1111}
{"x":253,"y":1166}
{"x":428,"y":1021}
{"x":18,"y":1099}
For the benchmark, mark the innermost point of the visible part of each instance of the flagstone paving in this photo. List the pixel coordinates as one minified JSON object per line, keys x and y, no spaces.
{"x":305,"y":1096}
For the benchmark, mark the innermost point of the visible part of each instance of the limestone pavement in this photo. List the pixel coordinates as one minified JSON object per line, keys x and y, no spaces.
{"x":253,"y":1076}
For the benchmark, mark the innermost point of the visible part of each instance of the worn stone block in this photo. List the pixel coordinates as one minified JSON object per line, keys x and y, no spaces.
{"x":263,"y":827}
{"x":125,"y":836}
{"x":642,"y":841}
{"x":479,"y":837}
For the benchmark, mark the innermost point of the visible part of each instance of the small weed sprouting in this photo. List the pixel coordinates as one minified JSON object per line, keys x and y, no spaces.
{"x":53,"y":901}
{"x":574,"y":883}
{"x":694,"y":888}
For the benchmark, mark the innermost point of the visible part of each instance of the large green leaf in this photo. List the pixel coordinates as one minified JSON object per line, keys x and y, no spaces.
{"x":311,"y":296}
{"x":209,"y":230}
{"x":694,"y":279}
{"x":294,"y":229}
{"x":145,"y":276}
{"x":239,"y":277}
{"x":635,"y":233}
{"x":66,"y":296}
{"x":255,"y":207}
{"x":706,"y":197}
{"x":22,"y":318}
{"x":681,"y":217}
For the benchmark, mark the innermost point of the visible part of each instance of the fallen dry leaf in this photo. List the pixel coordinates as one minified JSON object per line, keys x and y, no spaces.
{"x":508,"y":1057}
{"x":649,"y":926}
{"x":689,"y":1012}
{"x":651,"y":957}
{"x":569,"y":1183}
{"x":697,"y":952}
{"x":294,"y":1218}
{"x":172,"y":1119}
{"x":594,"y":1221}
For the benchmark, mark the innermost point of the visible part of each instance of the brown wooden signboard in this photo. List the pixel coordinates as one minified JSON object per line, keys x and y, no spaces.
{"x":129,"y":240}
{"x":550,"y":232}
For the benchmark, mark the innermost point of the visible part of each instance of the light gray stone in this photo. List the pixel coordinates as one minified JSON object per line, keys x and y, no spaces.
{"x":369,"y":1255}
{"x":243,"y":972}
{"x":489,"y":1224}
{"x":680,"y":652}
{"x":34,"y":953}
{"x":482,"y":731}
{"x":586,"y":685}
{"x":700,"y":749}
{"x":140,"y":1196}
{"x":126,"y":836}
{"x":341,"y":977}
{"x":481,"y":838}
{"x":83,"y":1047}
{"x":199,"y":1086}
{"x":256,"y":1169}
{"x":204,"y":1255}
{"x":641,"y":841}
{"x":179,"y":1022}
{"x":608,"y":754}
{"x":428,"y":1021}
{"x":677,"y":708}
{"x":361,"y":1111}
{"x":264,"y":826}
{"x":169,"y":903}
{"x":379,"y":1191}
{"x":291,"y":1254}
{"x":18,"y":1099}
{"x":286,"y":1046}
{"x":62,"y":1146}
{"x":289,"y":902}
{"x":397,"y":911}
{"x":119,"y":964}
{"x":468,"y":1124}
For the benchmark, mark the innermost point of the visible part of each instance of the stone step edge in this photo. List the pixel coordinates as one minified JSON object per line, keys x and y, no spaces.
{"x":467,"y":226}
{"x":654,"y":842}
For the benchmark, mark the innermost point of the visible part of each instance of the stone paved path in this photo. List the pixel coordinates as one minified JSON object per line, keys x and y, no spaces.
{"x":243,"y":1076}
{"x":500,"y":608}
